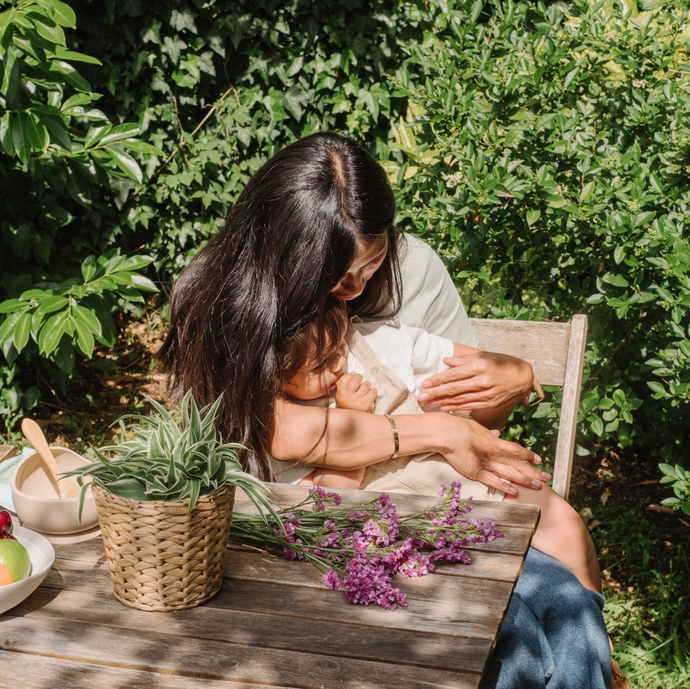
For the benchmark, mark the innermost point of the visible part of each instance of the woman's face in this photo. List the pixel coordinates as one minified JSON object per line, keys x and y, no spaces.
{"x":369,"y":257}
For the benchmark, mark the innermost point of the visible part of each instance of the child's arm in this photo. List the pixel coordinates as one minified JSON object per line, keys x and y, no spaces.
{"x":352,"y":392}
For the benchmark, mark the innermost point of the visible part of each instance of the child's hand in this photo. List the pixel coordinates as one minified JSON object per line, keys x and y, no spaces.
{"x":351,"y":392}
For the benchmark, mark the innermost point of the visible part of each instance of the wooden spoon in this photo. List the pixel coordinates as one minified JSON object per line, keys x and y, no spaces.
{"x":33,"y":433}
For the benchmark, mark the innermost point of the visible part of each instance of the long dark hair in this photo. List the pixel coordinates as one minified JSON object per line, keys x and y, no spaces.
{"x":286,"y":243}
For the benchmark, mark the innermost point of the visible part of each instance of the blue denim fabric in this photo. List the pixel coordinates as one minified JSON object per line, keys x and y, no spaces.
{"x":554,"y":634}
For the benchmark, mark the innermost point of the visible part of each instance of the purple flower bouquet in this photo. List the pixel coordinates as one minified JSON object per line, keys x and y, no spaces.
{"x":361,"y":549}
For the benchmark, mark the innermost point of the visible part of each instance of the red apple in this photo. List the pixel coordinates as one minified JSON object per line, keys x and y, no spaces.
{"x":7,"y":535}
{"x":5,"y":522}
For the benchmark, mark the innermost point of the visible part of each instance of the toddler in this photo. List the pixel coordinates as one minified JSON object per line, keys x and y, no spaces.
{"x":322,"y":377}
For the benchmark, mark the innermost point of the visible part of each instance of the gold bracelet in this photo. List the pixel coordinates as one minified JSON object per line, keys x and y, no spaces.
{"x":396,"y":437}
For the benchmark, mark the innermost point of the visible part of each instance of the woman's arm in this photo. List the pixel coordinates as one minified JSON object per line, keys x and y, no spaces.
{"x":356,"y":439}
{"x":481,"y":380}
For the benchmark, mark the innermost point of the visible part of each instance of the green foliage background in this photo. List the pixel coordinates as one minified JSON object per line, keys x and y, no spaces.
{"x":541,"y":150}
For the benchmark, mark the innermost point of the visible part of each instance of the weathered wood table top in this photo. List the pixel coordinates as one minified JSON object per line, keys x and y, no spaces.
{"x":273,"y":624}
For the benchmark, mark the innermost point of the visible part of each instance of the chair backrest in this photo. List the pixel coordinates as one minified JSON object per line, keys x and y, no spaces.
{"x":556,"y":352}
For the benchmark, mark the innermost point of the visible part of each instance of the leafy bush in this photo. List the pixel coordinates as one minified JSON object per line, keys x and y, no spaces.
{"x":220,"y":86}
{"x":57,"y":153}
{"x":679,"y":479}
{"x":546,"y":158}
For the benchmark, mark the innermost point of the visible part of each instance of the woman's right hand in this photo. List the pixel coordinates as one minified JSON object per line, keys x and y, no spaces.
{"x":482,"y":456}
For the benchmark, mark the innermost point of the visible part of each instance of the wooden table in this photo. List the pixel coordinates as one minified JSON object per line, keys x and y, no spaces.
{"x":274,"y":624}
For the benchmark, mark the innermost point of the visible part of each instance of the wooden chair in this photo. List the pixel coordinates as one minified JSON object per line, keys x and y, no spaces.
{"x":556,"y":352}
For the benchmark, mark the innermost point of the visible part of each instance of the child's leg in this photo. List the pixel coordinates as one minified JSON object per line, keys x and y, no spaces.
{"x":328,"y":478}
{"x":562,"y":535}
{"x":307,"y":480}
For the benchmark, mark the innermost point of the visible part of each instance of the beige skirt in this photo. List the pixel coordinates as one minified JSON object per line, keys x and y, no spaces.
{"x":423,"y":475}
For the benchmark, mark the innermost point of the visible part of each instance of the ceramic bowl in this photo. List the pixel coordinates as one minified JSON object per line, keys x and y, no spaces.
{"x":39,"y":507}
{"x":42,"y":557}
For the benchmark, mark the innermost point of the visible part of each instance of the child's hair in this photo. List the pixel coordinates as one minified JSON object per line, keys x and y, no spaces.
{"x":294,"y":350}
{"x":290,"y":237}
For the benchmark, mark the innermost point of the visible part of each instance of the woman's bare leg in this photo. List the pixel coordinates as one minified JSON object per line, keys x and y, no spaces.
{"x":562,"y":535}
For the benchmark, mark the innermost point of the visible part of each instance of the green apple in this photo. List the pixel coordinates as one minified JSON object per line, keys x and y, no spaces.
{"x":15,"y":557}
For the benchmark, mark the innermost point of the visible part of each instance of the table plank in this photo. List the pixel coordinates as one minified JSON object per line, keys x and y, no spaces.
{"x":498,"y":566}
{"x":265,"y":630}
{"x":463,"y":607}
{"x":24,"y":671}
{"x":271,"y":567}
{"x":204,"y":659}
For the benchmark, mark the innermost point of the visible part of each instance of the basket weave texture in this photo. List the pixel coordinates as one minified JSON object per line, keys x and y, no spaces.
{"x":160,"y":556}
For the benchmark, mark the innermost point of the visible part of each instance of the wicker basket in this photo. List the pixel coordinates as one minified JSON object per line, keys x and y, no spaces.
{"x":161,"y":557}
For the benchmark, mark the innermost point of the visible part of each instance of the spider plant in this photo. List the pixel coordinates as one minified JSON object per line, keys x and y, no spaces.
{"x":170,"y":461}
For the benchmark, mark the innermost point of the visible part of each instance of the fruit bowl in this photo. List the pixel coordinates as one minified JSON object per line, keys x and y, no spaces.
{"x":42,"y":557}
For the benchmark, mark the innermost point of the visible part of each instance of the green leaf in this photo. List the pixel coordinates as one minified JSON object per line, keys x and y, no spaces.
{"x":121,"y":131}
{"x":556,"y":201}
{"x":71,"y":75}
{"x":20,"y":140}
{"x":643,"y":218}
{"x":76,"y":100}
{"x":88,"y":318}
{"x":533,"y":216}
{"x":52,"y":332}
{"x":141,"y":147}
{"x":596,"y":423}
{"x":47,"y":28}
{"x":65,"y":54}
{"x":569,"y":77}
{"x":666,"y":295}
{"x":619,"y":397}
{"x":126,"y":163}
{"x":57,"y":131}
{"x":477,"y":8}
{"x":11,"y":77}
{"x":22,"y":332}
{"x":61,"y":13}
{"x":34,"y":131}
{"x":6,"y":140}
{"x":95,"y":134}
{"x":144,"y":283}
{"x":85,"y":339}
{"x":7,"y":327}
{"x":88,"y":268}
{"x":52,"y":304}
{"x":615,"y":279}
{"x":586,"y":191}
{"x":12,"y":305}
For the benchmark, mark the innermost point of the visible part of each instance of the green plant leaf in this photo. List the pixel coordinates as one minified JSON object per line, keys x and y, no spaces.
{"x":47,"y":28}
{"x":126,"y":163}
{"x":95,"y":134}
{"x":533,"y":216}
{"x":52,"y":332}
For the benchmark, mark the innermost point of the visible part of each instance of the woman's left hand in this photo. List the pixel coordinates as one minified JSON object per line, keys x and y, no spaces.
{"x":480,"y":380}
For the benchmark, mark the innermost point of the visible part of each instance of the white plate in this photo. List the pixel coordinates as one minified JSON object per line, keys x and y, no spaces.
{"x":42,"y":557}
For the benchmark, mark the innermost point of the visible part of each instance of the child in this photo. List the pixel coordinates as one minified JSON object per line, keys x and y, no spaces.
{"x":321,"y":376}
{"x":410,"y":355}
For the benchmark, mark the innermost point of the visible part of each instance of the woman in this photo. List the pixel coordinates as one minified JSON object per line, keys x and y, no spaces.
{"x":318,"y":219}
